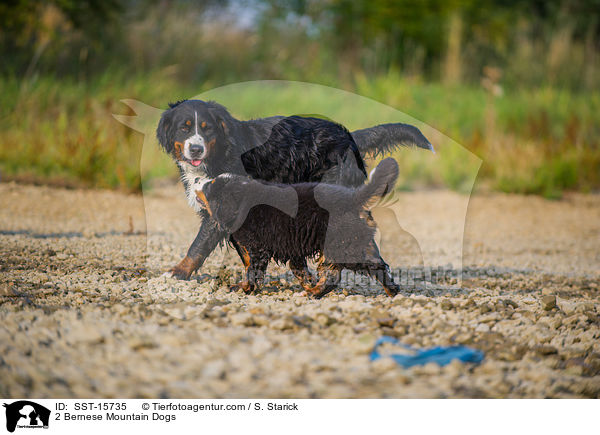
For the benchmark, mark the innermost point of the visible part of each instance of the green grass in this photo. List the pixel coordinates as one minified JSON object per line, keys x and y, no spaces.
{"x":541,"y":141}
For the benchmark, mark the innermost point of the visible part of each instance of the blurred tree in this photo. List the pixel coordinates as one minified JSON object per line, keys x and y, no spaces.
{"x":28,"y":26}
{"x":398,"y":31}
{"x":534,"y":41}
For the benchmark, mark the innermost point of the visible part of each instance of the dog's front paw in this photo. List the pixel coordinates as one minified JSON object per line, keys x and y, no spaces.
{"x":181,"y":274}
{"x":243,"y":286}
{"x":183,"y":270}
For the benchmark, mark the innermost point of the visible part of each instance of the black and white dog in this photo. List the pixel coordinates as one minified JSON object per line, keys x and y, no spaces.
{"x":206,"y":141}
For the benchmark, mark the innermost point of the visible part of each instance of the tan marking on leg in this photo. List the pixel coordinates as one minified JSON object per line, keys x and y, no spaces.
{"x":245,"y":256}
{"x":304,"y":277}
{"x":246,"y":260}
{"x":324,"y":271}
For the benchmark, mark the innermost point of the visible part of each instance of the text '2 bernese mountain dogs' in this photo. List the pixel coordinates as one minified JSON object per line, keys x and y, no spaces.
{"x":293,"y":223}
{"x":206,"y":141}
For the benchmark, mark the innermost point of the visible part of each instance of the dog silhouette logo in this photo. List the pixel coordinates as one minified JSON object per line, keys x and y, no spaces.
{"x":26,"y":414}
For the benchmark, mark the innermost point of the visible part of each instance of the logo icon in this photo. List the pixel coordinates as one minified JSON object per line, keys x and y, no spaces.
{"x":26,"y":414}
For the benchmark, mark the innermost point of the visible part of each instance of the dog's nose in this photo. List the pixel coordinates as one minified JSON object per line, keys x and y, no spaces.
{"x":196,"y":149}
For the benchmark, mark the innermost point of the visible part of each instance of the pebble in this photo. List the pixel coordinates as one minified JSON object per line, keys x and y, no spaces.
{"x":387,"y":322}
{"x":282,"y":323}
{"x":483,"y":328}
{"x":548,"y":302}
{"x":446,"y":304}
{"x":324,"y":319}
{"x":546,"y":350}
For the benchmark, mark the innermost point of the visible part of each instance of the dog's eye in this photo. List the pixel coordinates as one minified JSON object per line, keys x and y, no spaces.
{"x":185,"y":128}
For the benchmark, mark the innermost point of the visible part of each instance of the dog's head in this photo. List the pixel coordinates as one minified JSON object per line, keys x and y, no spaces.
{"x":226,"y":197}
{"x":194,"y":132}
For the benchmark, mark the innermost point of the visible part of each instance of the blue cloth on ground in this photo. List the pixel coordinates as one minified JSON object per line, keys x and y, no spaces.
{"x":441,"y":355}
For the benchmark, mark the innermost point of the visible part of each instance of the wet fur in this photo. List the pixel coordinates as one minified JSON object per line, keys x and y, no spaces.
{"x":292,"y":223}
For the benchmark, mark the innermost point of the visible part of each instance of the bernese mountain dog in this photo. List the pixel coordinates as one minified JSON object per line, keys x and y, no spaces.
{"x":295,"y":222}
{"x":205,"y":140}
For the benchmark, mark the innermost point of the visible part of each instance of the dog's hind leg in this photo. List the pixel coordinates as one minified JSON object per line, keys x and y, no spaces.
{"x":255,"y":272}
{"x":377,"y":268}
{"x":300,"y":270}
{"x":381,"y":272}
{"x":246,"y":260}
{"x":329,"y":278}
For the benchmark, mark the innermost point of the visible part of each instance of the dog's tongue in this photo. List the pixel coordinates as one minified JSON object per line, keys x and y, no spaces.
{"x":196,"y":162}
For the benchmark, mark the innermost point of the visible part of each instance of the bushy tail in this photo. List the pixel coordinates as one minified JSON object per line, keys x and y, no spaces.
{"x":383,"y":138}
{"x":382,"y":182}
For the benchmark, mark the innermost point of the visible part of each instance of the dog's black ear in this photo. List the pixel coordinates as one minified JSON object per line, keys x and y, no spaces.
{"x":221,"y":116}
{"x":164,"y":131}
{"x":176,"y":103}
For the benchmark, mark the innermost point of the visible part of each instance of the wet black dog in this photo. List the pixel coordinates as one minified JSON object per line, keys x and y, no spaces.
{"x":206,"y":141}
{"x":291,"y":223}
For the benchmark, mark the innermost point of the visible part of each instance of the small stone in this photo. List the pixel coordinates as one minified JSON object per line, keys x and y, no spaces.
{"x":556,"y":322}
{"x":256,"y":310}
{"x":584,"y":307}
{"x":282,"y":323}
{"x":546,"y":350}
{"x":574,"y":366}
{"x":5,"y":290}
{"x":398,"y":300}
{"x":261,"y":320}
{"x":383,"y":365}
{"x":464,"y":338}
{"x":512,"y":353}
{"x":483,"y":327}
{"x":303,"y":321}
{"x":243,"y":319}
{"x":390,"y":332}
{"x":569,"y":308}
{"x":548,"y":302}
{"x":324,"y":319}
{"x":484,"y":308}
{"x":364,"y":344}
{"x":571,"y":321}
{"x":387,"y":322}
{"x":446,"y":305}
{"x":593,"y":362}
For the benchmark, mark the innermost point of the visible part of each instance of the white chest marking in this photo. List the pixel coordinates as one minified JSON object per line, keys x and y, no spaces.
{"x":189,"y":178}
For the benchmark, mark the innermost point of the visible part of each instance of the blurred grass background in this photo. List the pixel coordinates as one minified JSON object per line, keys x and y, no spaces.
{"x":514,"y":82}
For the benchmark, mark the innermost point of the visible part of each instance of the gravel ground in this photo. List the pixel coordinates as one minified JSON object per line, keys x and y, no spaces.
{"x":86,"y":312}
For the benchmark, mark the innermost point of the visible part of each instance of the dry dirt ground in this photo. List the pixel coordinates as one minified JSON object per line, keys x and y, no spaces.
{"x":86,"y":312}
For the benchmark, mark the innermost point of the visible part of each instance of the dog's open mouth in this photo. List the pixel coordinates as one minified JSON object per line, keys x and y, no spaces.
{"x":193,"y":162}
